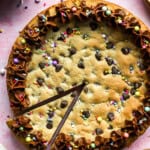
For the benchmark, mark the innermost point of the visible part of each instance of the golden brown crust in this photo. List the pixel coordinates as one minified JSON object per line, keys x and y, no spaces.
{"x":32,"y":37}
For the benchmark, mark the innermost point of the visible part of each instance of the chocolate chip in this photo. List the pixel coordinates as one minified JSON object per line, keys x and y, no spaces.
{"x":69,"y":30}
{"x":114,"y":70}
{"x":63,"y":104}
{"x":59,"y":90}
{"x":86,"y":114}
{"x":132,"y":91}
{"x":105,"y":72}
{"x":61,"y":37}
{"x":109,"y":61}
{"x":86,"y":90}
{"x":110,"y":116}
{"x":41,"y":65}
{"x":55,"y":29}
{"x":58,"y":67}
{"x":93,"y":25}
{"x":40,"y":81}
{"x":49,"y":124}
{"x":72,"y":51}
{"x":85,"y":36}
{"x":50,"y":114}
{"x":125,"y":50}
{"x":98,"y":131}
{"x":137,"y":85}
{"x":81,"y":64}
{"x":109,"y":45}
{"x":110,"y":127}
{"x":125,"y":96}
{"x":98,"y":55}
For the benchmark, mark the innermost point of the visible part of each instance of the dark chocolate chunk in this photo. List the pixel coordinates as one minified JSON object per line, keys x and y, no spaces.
{"x":137,"y":85}
{"x":125,"y":50}
{"x":69,"y":30}
{"x":110,"y":116}
{"x":58,"y":67}
{"x":93,"y":25}
{"x":40,"y":81}
{"x":59,"y":90}
{"x":63,"y":103}
{"x":98,"y":55}
{"x":98,"y":131}
{"x":105,"y":72}
{"x":72,"y":51}
{"x":50,"y":114}
{"x":49,"y":124}
{"x":85,"y":36}
{"x":61,"y":37}
{"x":114,"y":70}
{"x":109,"y":61}
{"x":41,"y":65}
{"x":81,"y":64}
{"x":110,"y":127}
{"x":86,"y":114}
{"x":132,"y":91}
{"x":125,"y":96}
{"x":109,"y":45}
{"x":55,"y":29}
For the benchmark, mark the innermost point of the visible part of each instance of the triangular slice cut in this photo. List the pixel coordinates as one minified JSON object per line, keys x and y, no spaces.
{"x":49,"y":100}
{"x":25,"y":125}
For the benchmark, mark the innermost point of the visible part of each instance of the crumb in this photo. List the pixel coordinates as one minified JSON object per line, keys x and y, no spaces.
{"x":37,"y":1}
{"x":2,"y":72}
{"x":26,"y":7}
{"x":1,"y":30}
{"x":44,"y":4}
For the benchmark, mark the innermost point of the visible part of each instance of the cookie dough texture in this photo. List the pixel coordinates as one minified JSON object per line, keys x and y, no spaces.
{"x":101,"y":88}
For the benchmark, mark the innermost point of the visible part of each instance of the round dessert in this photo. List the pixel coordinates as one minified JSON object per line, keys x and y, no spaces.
{"x":75,"y":42}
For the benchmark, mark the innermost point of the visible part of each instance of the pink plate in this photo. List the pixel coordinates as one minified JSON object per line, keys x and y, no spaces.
{"x":12,"y":20}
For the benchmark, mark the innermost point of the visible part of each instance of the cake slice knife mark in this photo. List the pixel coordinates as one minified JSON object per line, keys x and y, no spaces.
{"x":55,"y":134}
{"x":44,"y":102}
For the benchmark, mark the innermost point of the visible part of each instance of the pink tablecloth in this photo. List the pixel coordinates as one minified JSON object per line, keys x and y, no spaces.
{"x":12,"y":20}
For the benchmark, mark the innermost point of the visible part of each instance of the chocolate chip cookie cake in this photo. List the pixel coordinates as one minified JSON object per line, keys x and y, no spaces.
{"x":78,"y":78}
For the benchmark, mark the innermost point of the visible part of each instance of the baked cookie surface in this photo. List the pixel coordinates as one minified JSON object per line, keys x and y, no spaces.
{"x":74,"y":42}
